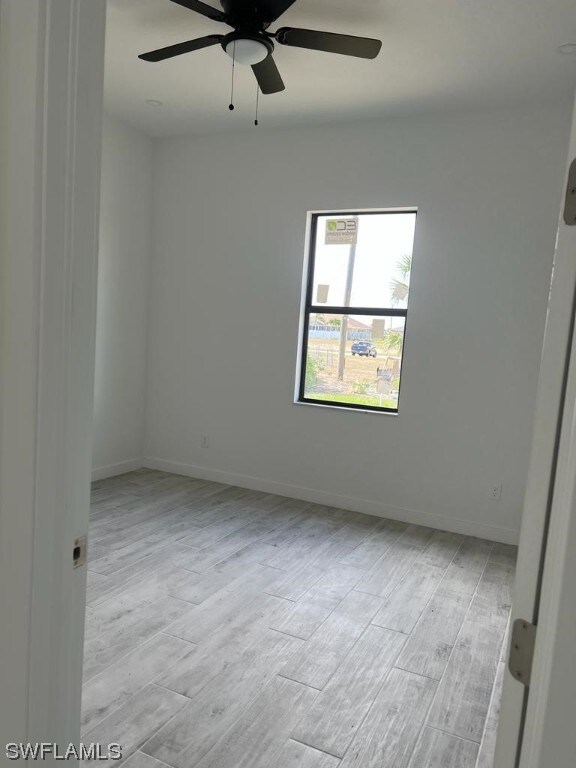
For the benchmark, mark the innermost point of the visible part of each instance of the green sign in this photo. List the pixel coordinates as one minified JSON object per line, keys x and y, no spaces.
{"x":341,"y":231}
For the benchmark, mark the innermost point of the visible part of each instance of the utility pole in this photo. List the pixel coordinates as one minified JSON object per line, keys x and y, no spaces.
{"x":344,"y":327}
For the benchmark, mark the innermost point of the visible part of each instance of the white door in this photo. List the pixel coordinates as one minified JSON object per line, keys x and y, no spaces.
{"x":51,"y":72}
{"x":543,"y":564}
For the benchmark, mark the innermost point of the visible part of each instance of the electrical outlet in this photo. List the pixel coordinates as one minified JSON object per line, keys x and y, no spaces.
{"x":495,"y":493}
{"x":205,"y":441}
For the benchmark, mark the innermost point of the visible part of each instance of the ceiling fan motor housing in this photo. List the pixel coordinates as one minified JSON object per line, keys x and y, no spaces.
{"x":245,"y":15}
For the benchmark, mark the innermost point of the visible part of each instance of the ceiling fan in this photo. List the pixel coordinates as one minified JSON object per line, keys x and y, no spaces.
{"x":251,"y":43}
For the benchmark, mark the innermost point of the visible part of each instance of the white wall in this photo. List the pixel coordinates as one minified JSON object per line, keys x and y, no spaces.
{"x":230,"y":213}
{"x":123,"y":292}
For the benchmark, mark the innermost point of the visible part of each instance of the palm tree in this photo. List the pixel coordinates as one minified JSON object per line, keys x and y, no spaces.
{"x":393,"y":341}
{"x":400,"y":288}
{"x":319,"y":319}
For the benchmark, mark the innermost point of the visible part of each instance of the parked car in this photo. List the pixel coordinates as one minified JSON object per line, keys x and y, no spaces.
{"x":364,"y":349}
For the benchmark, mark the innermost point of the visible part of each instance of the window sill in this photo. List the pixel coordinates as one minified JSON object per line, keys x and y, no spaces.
{"x":347,"y":410}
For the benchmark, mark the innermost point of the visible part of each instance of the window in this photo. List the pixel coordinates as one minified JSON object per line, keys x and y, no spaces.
{"x":355,"y":309}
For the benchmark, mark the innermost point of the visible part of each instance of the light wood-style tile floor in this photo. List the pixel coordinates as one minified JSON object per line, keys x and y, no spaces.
{"x":229,"y":628}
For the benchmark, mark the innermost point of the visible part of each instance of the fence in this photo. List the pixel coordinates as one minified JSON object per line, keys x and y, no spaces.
{"x":327,"y":357}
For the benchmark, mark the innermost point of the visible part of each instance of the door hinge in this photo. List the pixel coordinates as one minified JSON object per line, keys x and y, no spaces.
{"x":79,"y":552}
{"x":522,"y":651}
{"x":570,"y":204}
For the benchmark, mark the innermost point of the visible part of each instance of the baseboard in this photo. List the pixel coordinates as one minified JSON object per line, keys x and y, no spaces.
{"x":101,"y":473}
{"x":430,"y":520}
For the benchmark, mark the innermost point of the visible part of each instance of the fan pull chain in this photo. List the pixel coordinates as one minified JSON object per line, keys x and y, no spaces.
{"x":257,"y":95}
{"x":231,"y":105}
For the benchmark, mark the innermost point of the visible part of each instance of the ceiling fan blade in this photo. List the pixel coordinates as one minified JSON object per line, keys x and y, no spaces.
{"x":203,"y":8}
{"x":177,"y":50}
{"x":363,"y":47}
{"x":270,"y":10}
{"x":268,"y":77}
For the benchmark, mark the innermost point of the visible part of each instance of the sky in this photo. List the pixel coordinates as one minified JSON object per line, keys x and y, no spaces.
{"x":382,"y":240}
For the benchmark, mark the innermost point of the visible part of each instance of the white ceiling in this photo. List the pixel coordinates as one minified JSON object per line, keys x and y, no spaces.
{"x":436,"y":55}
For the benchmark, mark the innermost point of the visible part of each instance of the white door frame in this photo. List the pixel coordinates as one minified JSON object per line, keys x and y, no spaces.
{"x":550,"y":732}
{"x":548,"y":522}
{"x":51,"y":73}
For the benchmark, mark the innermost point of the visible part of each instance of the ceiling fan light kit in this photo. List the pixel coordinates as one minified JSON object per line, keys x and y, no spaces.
{"x":246,"y":50}
{"x":250,"y":43}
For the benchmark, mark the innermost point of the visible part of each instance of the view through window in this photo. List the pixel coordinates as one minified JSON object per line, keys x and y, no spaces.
{"x":356,"y":306}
